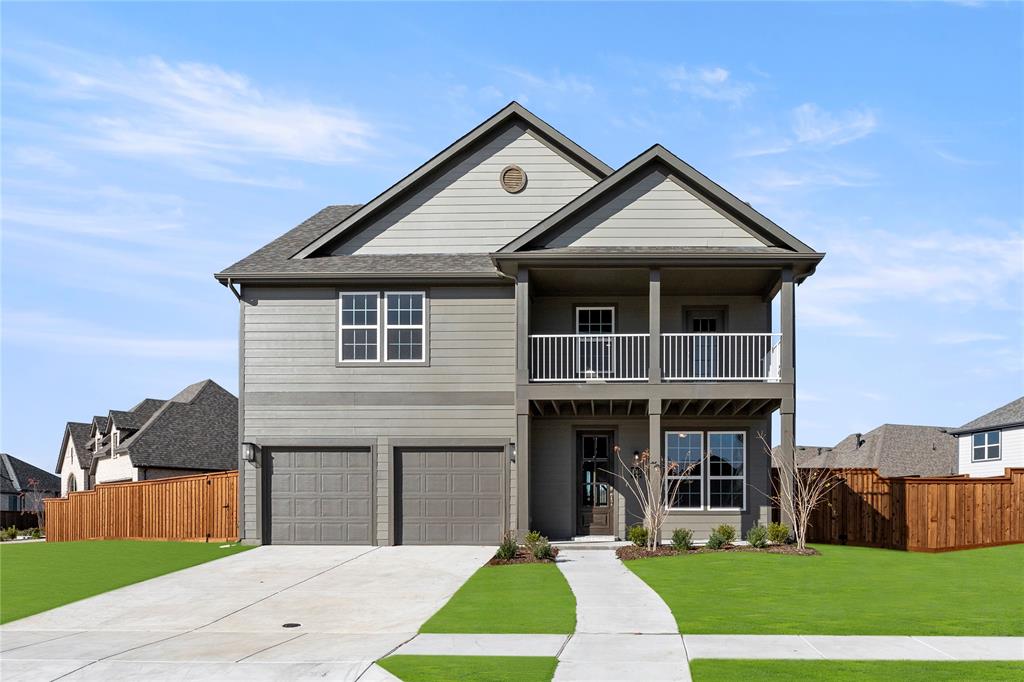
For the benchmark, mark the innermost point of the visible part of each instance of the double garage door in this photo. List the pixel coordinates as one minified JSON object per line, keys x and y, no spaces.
{"x":442,"y":496}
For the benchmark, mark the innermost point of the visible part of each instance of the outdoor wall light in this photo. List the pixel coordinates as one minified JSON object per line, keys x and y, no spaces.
{"x":249,"y":452}
{"x":512,"y":453}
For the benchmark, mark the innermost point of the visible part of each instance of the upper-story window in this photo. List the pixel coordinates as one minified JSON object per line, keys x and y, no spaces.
{"x":114,"y":438}
{"x":985,"y":447}
{"x":401,"y":329}
{"x":359,"y":322}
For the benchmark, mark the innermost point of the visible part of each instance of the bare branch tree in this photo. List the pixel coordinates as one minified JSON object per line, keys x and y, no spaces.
{"x":653,"y":483}
{"x":810,"y":487}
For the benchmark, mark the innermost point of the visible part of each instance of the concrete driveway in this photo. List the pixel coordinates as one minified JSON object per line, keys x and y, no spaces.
{"x":225,"y":619}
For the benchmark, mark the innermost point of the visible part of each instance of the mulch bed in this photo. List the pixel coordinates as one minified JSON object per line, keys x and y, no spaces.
{"x":523,"y":556}
{"x":630,"y":552}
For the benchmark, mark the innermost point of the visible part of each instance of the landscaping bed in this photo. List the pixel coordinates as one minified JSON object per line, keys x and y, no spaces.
{"x":631,"y":552}
{"x":524,"y":556}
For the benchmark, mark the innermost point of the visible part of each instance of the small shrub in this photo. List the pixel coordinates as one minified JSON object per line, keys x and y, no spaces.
{"x":682,"y":539}
{"x":532,"y":538}
{"x":637,"y":535}
{"x":716,"y":541}
{"x":541,"y":549}
{"x":508,"y":547}
{"x":778,"y":533}
{"x":8,"y":533}
{"x":758,"y":537}
{"x":36,"y":533}
{"x":727,"y":532}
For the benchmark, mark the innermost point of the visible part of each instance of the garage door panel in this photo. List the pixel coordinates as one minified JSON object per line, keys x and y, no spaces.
{"x":451,"y":496}
{"x":320,"y":497}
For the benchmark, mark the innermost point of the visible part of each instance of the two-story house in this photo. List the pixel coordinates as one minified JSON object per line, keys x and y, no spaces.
{"x":194,"y":432}
{"x":462,"y":354}
{"x":993,"y":442}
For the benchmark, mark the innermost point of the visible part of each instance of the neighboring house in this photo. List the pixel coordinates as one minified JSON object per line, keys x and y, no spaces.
{"x":460,"y":355}
{"x":992,"y":442}
{"x":194,"y":432}
{"x":23,"y":486}
{"x":892,"y":449}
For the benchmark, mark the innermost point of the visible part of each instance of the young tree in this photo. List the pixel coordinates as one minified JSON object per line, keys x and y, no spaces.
{"x":805,"y":492}
{"x":32,"y":502}
{"x":648,"y":480}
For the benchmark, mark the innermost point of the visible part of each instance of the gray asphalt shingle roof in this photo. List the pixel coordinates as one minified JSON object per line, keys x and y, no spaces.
{"x":892,"y":449}
{"x":1009,"y":414}
{"x":16,"y":475}
{"x":78,"y":432}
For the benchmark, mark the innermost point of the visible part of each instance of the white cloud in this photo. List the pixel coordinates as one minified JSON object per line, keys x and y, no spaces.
{"x":43,"y":159}
{"x":198,"y":115}
{"x":83,"y":337}
{"x":961,"y":338}
{"x":711,"y":83}
{"x":556,"y":82}
{"x":814,"y":126}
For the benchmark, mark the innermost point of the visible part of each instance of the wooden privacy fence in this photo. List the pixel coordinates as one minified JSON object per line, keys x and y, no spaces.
{"x":934,"y":514}
{"x":195,"y":508}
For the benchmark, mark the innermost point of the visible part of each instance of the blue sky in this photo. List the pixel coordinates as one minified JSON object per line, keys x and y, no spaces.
{"x":146,"y":146}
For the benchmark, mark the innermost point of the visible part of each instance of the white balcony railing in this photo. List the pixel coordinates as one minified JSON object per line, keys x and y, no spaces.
{"x":624,"y":357}
{"x":720,"y":357}
{"x":588,"y":357}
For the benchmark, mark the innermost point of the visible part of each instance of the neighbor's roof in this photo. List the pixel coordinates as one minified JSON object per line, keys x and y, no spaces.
{"x":1010,"y":414}
{"x":16,"y":476}
{"x":892,"y":449}
{"x":196,"y":429}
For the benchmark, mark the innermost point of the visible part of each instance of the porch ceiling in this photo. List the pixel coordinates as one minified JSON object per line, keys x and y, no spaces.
{"x":707,"y":407}
{"x":688,"y":281}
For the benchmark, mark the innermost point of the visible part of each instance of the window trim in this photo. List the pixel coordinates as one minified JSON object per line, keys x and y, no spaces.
{"x":422,"y":326}
{"x":700,"y":478}
{"x":341,"y":327}
{"x":984,"y":448}
{"x":742,"y":478}
{"x":381,"y":360}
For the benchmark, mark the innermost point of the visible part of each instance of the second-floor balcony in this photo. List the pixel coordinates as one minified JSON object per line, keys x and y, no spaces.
{"x":692,"y":357}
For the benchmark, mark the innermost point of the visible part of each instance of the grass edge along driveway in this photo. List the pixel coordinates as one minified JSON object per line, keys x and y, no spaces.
{"x":512,"y":599}
{"x":39,"y":576}
{"x":476,"y":668}
{"x":728,"y":670}
{"x":845,"y":591}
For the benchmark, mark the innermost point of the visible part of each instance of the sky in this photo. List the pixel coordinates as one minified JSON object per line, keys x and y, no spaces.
{"x":146,"y":146}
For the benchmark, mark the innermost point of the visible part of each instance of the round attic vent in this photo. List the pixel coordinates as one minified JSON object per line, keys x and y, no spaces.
{"x":513,"y":179}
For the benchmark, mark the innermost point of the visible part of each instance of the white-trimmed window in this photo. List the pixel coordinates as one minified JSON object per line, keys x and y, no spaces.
{"x":727,"y":454}
{"x":985,"y":447}
{"x":359,"y":313}
{"x":114,"y":438}
{"x":404,"y":327}
{"x":684,"y":454}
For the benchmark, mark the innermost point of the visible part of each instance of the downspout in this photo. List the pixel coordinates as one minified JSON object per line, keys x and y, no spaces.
{"x":231,"y":286}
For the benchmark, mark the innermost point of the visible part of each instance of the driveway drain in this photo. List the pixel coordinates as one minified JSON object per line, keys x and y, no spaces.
{"x":292,"y":625}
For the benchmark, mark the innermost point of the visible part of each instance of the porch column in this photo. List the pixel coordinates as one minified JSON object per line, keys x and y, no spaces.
{"x":522,"y":326}
{"x":787,"y":415}
{"x":654,"y":327}
{"x":654,"y":439}
{"x":522,"y":521}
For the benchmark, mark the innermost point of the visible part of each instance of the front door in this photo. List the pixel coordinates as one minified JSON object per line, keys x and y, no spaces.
{"x":593,"y":483}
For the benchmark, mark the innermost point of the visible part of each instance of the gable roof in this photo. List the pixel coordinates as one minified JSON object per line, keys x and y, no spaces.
{"x":892,"y":449}
{"x":274,"y":259}
{"x":196,"y":429}
{"x":512,"y":112}
{"x":78,"y":433}
{"x":99,"y":423}
{"x":16,"y":476}
{"x":1010,"y":414}
{"x":693,"y":179}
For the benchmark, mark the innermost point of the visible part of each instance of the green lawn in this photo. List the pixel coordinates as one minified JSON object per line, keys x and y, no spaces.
{"x":707,"y":670}
{"x":519,"y":598}
{"x":845,"y":591}
{"x":38,"y":576}
{"x":476,"y":668}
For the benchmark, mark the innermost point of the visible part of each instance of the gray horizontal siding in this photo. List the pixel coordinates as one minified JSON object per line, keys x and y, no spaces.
{"x":294,"y":387}
{"x":466,"y":210}
{"x":656,"y":211}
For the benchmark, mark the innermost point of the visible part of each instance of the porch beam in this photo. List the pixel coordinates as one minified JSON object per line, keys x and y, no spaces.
{"x":522,"y":474}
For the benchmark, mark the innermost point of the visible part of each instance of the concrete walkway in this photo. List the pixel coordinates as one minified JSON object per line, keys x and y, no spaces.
{"x":224,"y":619}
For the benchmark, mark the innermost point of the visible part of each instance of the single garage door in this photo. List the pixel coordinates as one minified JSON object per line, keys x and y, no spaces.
{"x":450,"y":496}
{"x":320,"y":497}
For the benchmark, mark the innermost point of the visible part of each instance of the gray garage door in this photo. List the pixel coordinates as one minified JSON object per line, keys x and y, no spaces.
{"x":320,"y":497}
{"x":451,"y":496}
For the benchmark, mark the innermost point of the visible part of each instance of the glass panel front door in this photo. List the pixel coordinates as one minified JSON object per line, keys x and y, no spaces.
{"x":594,"y":490}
